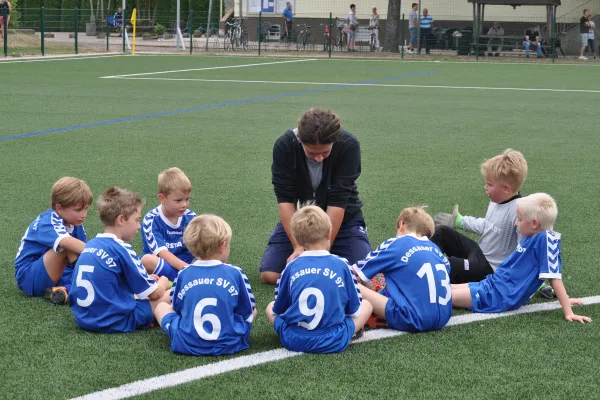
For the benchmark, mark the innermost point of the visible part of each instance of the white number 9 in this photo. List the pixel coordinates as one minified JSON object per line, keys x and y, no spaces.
{"x":317,"y":311}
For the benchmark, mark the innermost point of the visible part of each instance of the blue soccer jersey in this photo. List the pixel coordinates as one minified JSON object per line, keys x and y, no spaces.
{"x":214,"y":308}
{"x":316,"y":292}
{"x":107,"y":276}
{"x":519,"y":276}
{"x":159,"y":234}
{"x":417,"y":282}
{"x":43,"y":234}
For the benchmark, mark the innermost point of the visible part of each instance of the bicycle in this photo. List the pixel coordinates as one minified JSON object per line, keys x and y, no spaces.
{"x":304,"y":39}
{"x":341,"y":40}
{"x":236,"y":36}
{"x":372,"y":43}
{"x":327,"y":38}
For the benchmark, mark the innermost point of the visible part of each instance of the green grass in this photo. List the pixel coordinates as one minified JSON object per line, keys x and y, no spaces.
{"x":419,"y":146}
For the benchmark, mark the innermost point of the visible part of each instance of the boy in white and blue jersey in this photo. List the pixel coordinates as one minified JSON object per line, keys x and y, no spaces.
{"x":108,"y":273}
{"x":53,"y":241}
{"x":212,"y":302}
{"x":517,"y":278}
{"x":417,"y":296}
{"x":318,"y":307}
{"x":165,"y":252}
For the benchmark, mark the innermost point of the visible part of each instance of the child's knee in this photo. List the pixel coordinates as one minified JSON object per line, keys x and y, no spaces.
{"x":149,"y":262}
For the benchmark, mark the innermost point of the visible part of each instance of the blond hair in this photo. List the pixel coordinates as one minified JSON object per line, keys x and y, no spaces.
{"x":310,"y":225}
{"x":508,"y":168}
{"x":205,"y":234}
{"x":70,"y":192}
{"x":539,"y":206}
{"x":173,"y":179}
{"x":115,"y":201}
{"x":416,"y":220}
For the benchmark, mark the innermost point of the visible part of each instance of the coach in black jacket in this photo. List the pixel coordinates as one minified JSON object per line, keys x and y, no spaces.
{"x":319,"y":162}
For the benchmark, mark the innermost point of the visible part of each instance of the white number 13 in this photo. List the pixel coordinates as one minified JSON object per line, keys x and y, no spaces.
{"x":427,"y":270}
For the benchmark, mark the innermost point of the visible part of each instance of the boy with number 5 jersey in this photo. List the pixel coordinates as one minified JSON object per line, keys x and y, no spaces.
{"x":109,"y":273}
{"x":212,"y":302}
{"x":318,"y":307}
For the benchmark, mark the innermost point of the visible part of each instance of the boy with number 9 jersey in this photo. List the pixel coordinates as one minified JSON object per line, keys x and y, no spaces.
{"x":318,"y":307}
{"x":212,"y":302}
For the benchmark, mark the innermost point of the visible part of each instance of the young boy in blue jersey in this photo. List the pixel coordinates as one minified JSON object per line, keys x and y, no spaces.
{"x":472,"y":261}
{"x":212,"y":302}
{"x":109,"y":273}
{"x":318,"y":307}
{"x":165,"y":252}
{"x":517,"y":278}
{"x":417,"y":296}
{"x":53,"y":241}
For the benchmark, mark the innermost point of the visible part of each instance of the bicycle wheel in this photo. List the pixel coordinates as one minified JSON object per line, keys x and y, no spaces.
{"x":372,"y":44}
{"x":227,"y":41}
{"x":300,"y":41}
{"x":308,"y":42}
{"x":245,"y":40}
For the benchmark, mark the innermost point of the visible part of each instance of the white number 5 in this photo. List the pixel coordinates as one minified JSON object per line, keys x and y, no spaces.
{"x":87,"y":285}
{"x":427,"y":270}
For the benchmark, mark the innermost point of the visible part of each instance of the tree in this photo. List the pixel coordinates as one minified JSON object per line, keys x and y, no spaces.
{"x":392,"y":27}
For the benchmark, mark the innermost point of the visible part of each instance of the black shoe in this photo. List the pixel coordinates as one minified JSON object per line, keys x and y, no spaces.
{"x":546,"y":292}
{"x":56,"y":295}
{"x":526,"y":56}
{"x":490,"y":54}
{"x":358,"y":334}
{"x":497,"y":54}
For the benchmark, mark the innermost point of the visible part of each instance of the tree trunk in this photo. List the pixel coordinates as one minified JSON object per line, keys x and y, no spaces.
{"x":392,"y":27}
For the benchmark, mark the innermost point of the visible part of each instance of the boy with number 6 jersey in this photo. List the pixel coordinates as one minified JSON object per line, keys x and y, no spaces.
{"x":318,"y":307}
{"x":417,"y":296}
{"x":109,"y":273}
{"x":212,"y":302}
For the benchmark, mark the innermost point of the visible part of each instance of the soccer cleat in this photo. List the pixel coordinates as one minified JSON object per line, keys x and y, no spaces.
{"x":375,"y":322}
{"x":358,"y":334}
{"x":546,"y":292}
{"x":378,"y":282}
{"x":56,"y":295}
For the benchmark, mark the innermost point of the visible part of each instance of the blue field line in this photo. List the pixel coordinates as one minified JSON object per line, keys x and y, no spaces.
{"x":211,"y":106}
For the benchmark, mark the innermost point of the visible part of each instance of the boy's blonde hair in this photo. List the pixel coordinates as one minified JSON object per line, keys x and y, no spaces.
{"x":115,"y":201}
{"x":70,"y":192}
{"x":310,"y":225}
{"x":173,"y":179}
{"x":508,"y":168}
{"x":539,"y":206}
{"x":205,"y":234}
{"x":416,"y":220}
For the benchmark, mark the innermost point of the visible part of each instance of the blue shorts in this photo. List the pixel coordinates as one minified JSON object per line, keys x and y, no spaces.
{"x":141,"y":317}
{"x":33,"y":279}
{"x":405,"y":318}
{"x":352,"y":243}
{"x":163,"y":268}
{"x":351,"y":34}
{"x":331,"y":340}
{"x":170,"y":325}
{"x":413,"y":36}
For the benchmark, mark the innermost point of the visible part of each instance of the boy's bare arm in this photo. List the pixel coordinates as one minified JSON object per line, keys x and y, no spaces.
{"x":172,"y":259}
{"x":566,"y":302}
{"x":163,"y":286}
{"x":72,"y":244}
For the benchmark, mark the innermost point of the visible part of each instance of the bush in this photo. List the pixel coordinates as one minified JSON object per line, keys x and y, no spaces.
{"x":15,"y":15}
{"x":147,"y":35}
{"x":159,"y":29}
{"x":197,"y":34}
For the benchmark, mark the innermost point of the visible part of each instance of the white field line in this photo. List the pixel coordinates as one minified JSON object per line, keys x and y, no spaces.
{"x":210,"y":68}
{"x":59,"y":58}
{"x":233,"y":364}
{"x":363,"y":84}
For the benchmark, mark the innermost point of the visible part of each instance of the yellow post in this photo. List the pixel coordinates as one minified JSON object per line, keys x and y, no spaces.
{"x":133,"y":22}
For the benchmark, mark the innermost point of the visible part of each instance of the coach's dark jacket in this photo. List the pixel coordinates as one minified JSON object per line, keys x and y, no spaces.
{"x":291,"y":179}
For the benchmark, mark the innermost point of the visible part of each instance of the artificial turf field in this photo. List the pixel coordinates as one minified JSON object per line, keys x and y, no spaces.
{"x":420,"y":145}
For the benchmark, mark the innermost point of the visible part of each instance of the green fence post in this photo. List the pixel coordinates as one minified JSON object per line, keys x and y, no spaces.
{"x":554,"y":36}
{"x":107,"y":30}
{"x":330,"y":33}
{"x":191,"y":31}
{"x":76,"y":30}
{"x":123,"y":30}
{"x":5,"y":15}
{"x":259,"y":30}
{"x":42,"y":28}
{"x":477,"y":37}
{"x":403,"y":39}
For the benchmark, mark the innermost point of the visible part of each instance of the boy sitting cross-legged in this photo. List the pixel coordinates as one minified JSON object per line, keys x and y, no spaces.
{"x":108,"y":273}
{"x":417,"y":296}
{"x":52,"y":243}
{"x":165,"y":253}
{"x":212,"y":302}
{"x":517,"y":278}
{"x":317,"y":307}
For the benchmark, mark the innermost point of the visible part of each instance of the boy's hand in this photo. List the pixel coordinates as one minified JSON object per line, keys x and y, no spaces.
{"x":444,"y":219}
{"x":154,"y":276}
{"x":577,"y":318}
{"x":163,"y":282}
